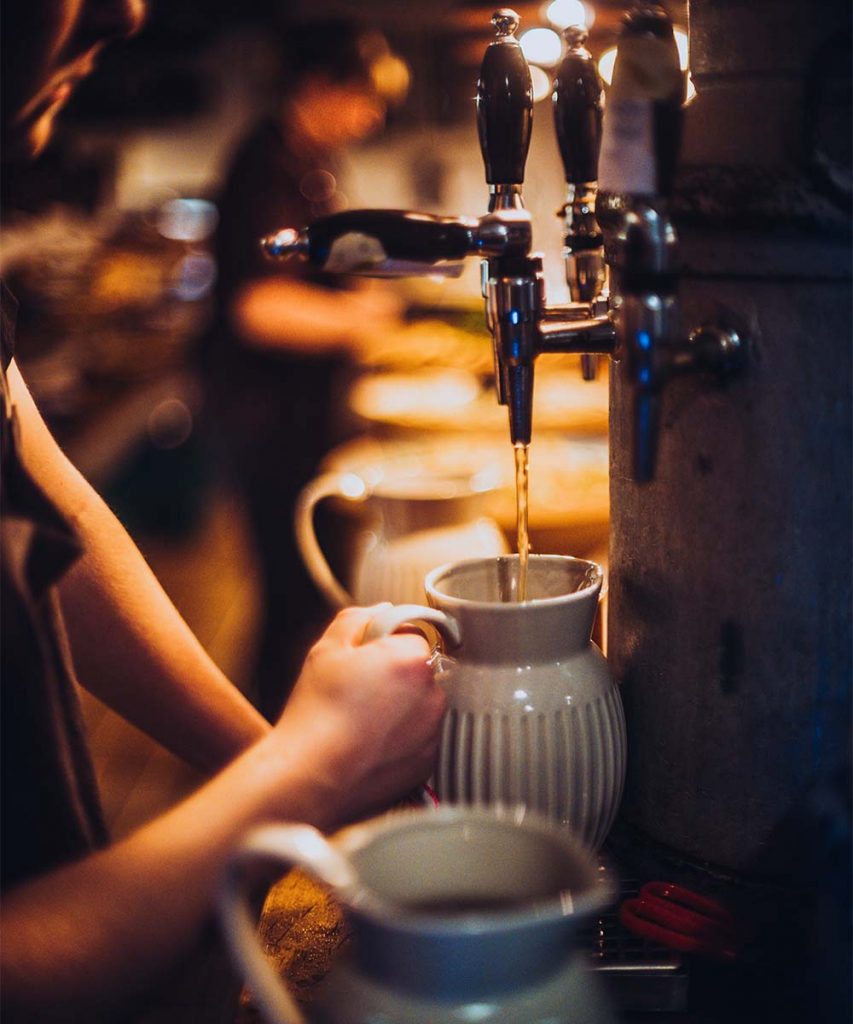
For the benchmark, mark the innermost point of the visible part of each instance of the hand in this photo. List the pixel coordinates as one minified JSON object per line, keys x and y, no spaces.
{"x":368,"y":716}
{"x":375,"y":314}
{"x":378,"y":299}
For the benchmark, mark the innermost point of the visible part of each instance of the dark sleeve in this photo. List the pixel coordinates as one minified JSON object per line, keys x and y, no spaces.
{"x":8,"y":316}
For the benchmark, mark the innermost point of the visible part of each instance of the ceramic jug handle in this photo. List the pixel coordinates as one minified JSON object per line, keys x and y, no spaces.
{"x":291,"y":846}
{"x":330,"y":485}
{"x":394,"y":616}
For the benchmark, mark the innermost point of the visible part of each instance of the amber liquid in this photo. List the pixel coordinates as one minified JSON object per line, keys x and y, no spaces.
{"x":522,"y":482}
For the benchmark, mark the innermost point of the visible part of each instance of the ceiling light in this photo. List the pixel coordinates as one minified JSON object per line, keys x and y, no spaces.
{"x":683,"y":49}
{"x":562,"y":13}
{"x":542,"y":46}
{"x":541,"y":83}
{"x":606,"y":63}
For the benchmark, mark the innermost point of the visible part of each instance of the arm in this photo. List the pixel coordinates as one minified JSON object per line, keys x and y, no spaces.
{"x":292,"y":314}
{"x":361,"y":729}
{"x":131,"y":647}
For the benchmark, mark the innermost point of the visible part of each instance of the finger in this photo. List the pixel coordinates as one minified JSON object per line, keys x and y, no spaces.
{"x":348,"y":625}
{"x":408,"y":646}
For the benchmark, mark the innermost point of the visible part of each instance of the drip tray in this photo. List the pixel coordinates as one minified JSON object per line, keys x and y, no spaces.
{"x":639,"y":975}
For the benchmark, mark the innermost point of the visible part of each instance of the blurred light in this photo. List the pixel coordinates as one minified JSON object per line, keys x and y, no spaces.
{"x":318,"y":185}
{"x":563,"y":13}
{"x":187,"y":220}
{"x":683,"y":48}
{"x":606,"y":63}
{"x":691,"y":90}
{"x":352,"y":486}
{"x":390,"y":78}
{"x":170,"y":423}
{"x":541,"y":83}
{"x":194,"y":277}
{"x":541,"y":46}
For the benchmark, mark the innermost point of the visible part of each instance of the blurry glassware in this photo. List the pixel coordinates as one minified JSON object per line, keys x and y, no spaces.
{"x":455,"y":401}
{"x":569,"y":481}
{"x":416,"y":522}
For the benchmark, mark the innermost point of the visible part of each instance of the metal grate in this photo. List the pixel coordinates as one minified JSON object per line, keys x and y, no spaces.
{"x":639,"y":975}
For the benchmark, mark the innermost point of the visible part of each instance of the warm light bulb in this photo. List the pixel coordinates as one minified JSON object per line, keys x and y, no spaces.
{"x":682,"y":45}
{"x":563,"y":13}
{"x":541,"y":46}
{"x":606,"y":64}
{"x":607,"y":60}
{"x":541,"y":83}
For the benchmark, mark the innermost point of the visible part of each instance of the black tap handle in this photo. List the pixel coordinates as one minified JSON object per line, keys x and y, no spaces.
{"x":504,"y":104}
{"x":668,"y":110}
{"x":578,"y":106}
{"x":643,"y":119}
{"x":383,"y":243}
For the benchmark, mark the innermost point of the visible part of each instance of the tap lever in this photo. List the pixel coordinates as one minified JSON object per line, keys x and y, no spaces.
{"x":716,"y":350}
{"x":504,"y":105}
{"x":578,"y":103}
{"x":380,"y":243}
{"x":578,"y":106}
{"x":643,"y":119}
{"x":396,"y":243}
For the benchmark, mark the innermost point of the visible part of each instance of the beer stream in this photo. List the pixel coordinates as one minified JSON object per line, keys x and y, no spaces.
{"x":523,"y":540}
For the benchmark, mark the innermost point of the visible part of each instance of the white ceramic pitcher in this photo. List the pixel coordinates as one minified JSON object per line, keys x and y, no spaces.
{"x":417,"y":522}
{"x":534,"y":716}
{"x":457,"y":915}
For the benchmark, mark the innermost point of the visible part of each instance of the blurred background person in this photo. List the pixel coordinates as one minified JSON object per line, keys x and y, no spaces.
{"x":275,"y":361}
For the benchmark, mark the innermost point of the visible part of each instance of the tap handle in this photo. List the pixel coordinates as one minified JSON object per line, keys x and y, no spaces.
{"x":578,"y":109}
{"x":504,"y":104}
{"x":643,"y":119}
{"x":379,"y":243}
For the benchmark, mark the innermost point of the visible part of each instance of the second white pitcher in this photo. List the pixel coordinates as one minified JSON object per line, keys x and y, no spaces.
{"x":534,"y":715}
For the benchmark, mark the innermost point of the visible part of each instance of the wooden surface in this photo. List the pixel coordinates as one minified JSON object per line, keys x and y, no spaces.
{"x":302,"y":929}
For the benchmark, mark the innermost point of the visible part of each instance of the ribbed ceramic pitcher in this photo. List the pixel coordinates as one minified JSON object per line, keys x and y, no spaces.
{"x":534,"y":716}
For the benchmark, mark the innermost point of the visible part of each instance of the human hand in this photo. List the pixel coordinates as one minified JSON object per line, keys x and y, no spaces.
{"x":367,"y":716}
{"x":376,"y":313}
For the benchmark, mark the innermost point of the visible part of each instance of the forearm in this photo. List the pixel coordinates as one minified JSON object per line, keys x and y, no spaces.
{"x":297,"y":316}
{"x":360,"y":729}
{"x":84,"y":940}
{"x":133,"y":650}
{"x":130,"y":645}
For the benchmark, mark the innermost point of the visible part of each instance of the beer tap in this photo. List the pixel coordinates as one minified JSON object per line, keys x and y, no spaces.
{"x":578,"y":106}
{"x":522,"y":325}
{"x":635,"y":322}
{"x":639,"y":156}
{"x":504,"y":131}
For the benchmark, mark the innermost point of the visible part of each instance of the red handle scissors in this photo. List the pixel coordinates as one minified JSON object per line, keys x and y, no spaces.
{"x":680,"y":919}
